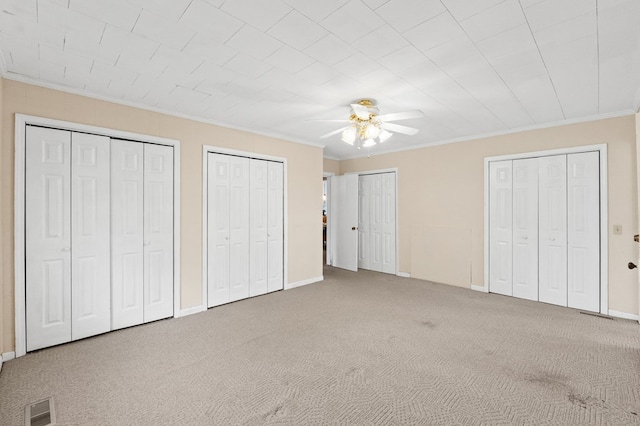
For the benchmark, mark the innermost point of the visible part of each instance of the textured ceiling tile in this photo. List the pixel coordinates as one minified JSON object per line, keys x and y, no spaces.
{"x":120,"y":13}
{"x":316,"y":10}
{"x":176,"y":59}
{"x":318,"y":73}
{"x":211,"y":70}
{"x":508,"y":43}
{"x":22,"y":9}
{"x":406,"y":14}
{"x":115,"y":41}
{"x":260,"y":14}
{"x":356,"y":65}
{"x":402,"y":59}
{"x":297,"y":31}
{"x":253,"y":42}
{"x":204,"y":46}
{"x":203,"y":18}
{"x":247,"y":66}
{"x":69,"y":21}
{"x":492,"y":21}
{"x":161,"y":30}
{"x":434,"y":32}
{"x":380,"y":42}
{"x":352,"y":21}
{"x":330,"y":50}
{"x":170,"y":10}
{"x":462,"y":9}
{"x":553,"y":12}
{"x":290,"y":59}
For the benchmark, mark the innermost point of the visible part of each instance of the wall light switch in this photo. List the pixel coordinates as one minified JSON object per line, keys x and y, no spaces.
{"x":617,"y":229}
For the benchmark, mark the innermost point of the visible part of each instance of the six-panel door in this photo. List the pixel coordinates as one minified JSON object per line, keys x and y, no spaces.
{"x":500,"y":228}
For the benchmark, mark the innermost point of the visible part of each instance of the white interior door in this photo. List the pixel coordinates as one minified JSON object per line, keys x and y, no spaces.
{"x":389,"y":223}
{"x":218,"y":204}
{"x":258,"y":250}
{"x":583,"y":233}
{"x":500,"y":227}
{"x":90,"y":236}
{"x":48,"y":237}
{"x":525,"y":228}
{"x":553,"y":229}
{"x":158,"y":232}
{"x":376,"y":242}
{"x":127,"y":233}
{"x":364,"y":210}
{"x":239,"y":228}
{"x":276,"y":226}
{"x":344,"y":221}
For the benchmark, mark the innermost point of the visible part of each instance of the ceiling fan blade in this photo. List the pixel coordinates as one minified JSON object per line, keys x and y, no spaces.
{"x":329,"y":121}
{"x":399,"y":129}
{"x":335,"y":132}
{"x":361,"y":111}
{"x":394,"y":116}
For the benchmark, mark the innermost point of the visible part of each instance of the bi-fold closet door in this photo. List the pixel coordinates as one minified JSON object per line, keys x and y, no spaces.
{"x":544,"y":229}
{"x":245,"y":227}
{"x":377,"y":222}
{"x":82,"y":217}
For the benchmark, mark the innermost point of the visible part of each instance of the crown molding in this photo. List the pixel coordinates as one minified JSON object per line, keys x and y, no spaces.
{"x":636,"y":102}
{"x":561,"y":123}
{"x":328,"y":157}
{"x":54,"y":86}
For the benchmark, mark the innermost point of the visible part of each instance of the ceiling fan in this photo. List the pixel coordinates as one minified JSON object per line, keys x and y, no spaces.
{"x":366,"y":125}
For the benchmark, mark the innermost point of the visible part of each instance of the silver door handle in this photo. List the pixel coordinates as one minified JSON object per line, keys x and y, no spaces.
{"x":65,"y":249}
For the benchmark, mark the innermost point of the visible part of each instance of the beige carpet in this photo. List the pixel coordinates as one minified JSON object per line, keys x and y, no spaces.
{"x":358,"y":348}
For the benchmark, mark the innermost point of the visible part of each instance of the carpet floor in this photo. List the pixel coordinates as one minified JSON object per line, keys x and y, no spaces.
{"x":357,"y":348}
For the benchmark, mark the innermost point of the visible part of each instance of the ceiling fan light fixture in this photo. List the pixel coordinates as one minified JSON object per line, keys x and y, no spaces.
{"x":369,"y":142}
{"x":349,"y":135}
{"x":384,"y":135}
{"x":371,"y":131}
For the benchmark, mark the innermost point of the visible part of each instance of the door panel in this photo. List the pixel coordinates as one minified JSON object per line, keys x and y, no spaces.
{"x":389,"y":223}
{"x":218,"y":229}
{"x":90,"y":237}
{"x":553,"y":229}
{"x":127,"y":233}
{"x":48,"y":237}
{"x":276,"y":226}
{"x":375,"y":223}
{"x":583,"y":234}
{"x":258,"y":250}
{"x":239,"y":228}
{"x":158,"y":232}
{"x":500,"y":227}
{"x":364,"y":210}
{"x":344,"y":221}
{"x":525,"y":228}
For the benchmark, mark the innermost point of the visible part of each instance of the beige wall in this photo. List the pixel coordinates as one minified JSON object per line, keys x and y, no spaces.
{"x":304,"y":181}
{"x":331,"y":166}
{"x":441,"y":202}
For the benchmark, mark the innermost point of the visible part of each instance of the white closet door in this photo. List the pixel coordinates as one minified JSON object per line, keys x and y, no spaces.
{"x":344,"y":221}
{"x":48,"y":237}
{"x":583,"y":205}
{"x":218,"y":204}
{"x":90,"y":236}
{"x":500,"y":227}
{"x":364,"y":210}
{"x":389,"y":223}
{"x":553,"y":229}
{"x":158,"y":232}
{"x":239,"y":229}
{"x":127,"y":233}
{"x":276,"y":226}
{"x":258,"y":250}
{"x":525,"y":228}
{"x":376,"y":243}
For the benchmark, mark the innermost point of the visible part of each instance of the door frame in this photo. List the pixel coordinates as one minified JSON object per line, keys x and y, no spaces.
{"x":207,"y":149}
{"x":604,"y":210}
{"x":21,"y":122}
{"x":325,"y":178}
{"x":377,"y":172}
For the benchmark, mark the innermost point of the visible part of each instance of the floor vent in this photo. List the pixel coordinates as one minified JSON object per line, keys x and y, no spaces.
{"x":40,"y":413}
{"x":594,"y":314}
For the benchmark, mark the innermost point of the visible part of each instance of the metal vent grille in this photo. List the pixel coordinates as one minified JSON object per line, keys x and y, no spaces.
{"x":40,"y":413}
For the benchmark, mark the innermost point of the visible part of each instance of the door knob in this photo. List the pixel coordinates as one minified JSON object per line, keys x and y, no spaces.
{"x":636,"y":238}
{"x":525,"y":238}
{"x":353,"y":228}
{"x":65,"y":249}
{"x":147,"y":243}
{"x":631,"y":265}
{"x":552,"y":239}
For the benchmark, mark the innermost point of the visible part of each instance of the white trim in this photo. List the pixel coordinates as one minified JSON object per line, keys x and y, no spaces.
{"x":206,"y":149}
{"x":587,"y":119}
{"x":327,"y":248}
{"x":604,"y":211}
{"x":403,"y":275}
{"x":8,"y":356}
{"x":21,"y":121}
{"x":304,"y":282}
{"x":193,"y":310}
{"x":479,"y":288}
{"x":138,"y":105}
{"x":624,"y":315}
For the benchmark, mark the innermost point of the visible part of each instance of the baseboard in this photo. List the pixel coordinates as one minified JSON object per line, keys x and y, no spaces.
{"x":403,"y":275}
{"x":303,"y":282}
{"x":479,"y":288}
{"x":623,"y":315}
{"x":191,"y":311}
{"x":7,"y":356}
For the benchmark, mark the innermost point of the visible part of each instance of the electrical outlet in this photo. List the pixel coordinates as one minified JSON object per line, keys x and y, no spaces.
{"x":617,"y":229}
